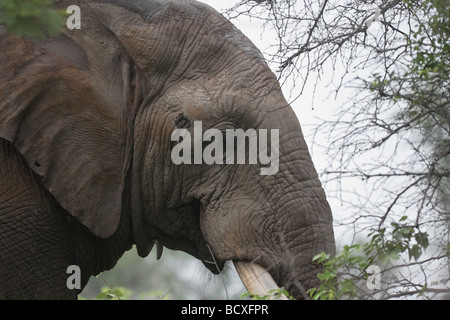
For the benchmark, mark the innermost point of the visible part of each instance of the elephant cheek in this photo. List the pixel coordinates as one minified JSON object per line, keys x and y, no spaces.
{"x":234,"y":230}
{"x":217,"y":235}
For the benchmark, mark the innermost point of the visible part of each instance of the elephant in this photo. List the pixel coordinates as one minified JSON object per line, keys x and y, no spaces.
{"x":87,"y":118}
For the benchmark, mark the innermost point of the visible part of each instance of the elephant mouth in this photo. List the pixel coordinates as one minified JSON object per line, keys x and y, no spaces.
{"x":257,"y":280}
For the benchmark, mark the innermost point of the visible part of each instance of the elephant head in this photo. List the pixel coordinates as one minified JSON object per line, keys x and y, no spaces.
{"x":93,"y":112}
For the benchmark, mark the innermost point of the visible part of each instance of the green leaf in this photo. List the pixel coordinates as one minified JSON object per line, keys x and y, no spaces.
{"x":32,"y":18}
{"x":321,"y":257}
{"x":414,"y":252}
{"x":422,"y":239}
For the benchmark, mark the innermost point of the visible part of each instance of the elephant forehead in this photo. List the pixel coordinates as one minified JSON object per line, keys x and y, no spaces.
{"x":165,"y":35}
{"x":139,"y":37}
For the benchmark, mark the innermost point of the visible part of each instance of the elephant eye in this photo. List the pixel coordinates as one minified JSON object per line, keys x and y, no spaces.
{"x":182,"y":122}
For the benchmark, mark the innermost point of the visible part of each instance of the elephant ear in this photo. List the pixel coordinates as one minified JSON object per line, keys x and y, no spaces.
{"x":64,"y":104}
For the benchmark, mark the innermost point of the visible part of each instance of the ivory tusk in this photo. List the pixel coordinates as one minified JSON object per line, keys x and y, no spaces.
{"x":256,"y":279}
{"x":159,"y":249}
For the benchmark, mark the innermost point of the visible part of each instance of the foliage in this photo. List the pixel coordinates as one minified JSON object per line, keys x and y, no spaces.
{"x":121,"y":293}
{"x":118,"y":293}
{"x":32,"y":18}
{"x":345,"y":275}
{"x":274,"y":294}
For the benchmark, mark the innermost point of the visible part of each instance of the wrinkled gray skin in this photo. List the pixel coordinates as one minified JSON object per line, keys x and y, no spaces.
{"x":85,"y":167}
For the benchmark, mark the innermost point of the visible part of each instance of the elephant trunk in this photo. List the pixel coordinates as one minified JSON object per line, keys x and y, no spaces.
{"x":302,"y":225}
{"x":302,"y":228}
{"x":267,"y":244}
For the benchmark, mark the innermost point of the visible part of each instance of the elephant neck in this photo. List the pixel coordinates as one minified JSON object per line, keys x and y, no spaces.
{"x":141,"y":208}
{"x":145,"y":184}
{"x":95,"y":255}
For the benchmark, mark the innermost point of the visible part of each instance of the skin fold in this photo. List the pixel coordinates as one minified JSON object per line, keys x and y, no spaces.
{"x":86,"y":119}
